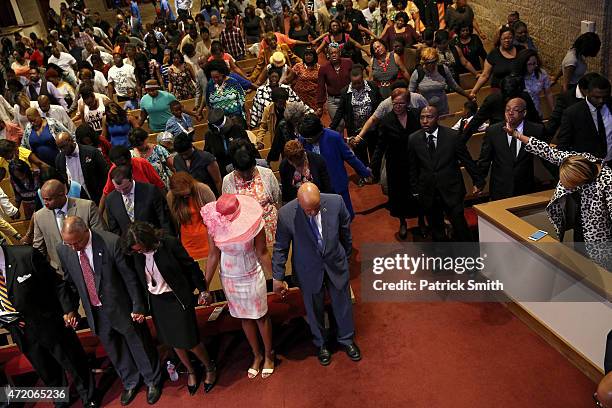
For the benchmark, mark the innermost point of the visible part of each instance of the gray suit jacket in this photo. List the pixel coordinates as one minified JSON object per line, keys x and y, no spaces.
{"x":46,"y":232}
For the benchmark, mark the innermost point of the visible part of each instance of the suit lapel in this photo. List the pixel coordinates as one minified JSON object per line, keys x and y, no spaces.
{"x":97,"y":249}
{"x":303,"y":218}
{"x":137,"y":201}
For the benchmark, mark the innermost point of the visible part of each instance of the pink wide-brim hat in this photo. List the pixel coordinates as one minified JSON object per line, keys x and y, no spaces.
{"x":233,"y":218}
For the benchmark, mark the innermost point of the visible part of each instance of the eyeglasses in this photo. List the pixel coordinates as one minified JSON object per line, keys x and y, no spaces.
{"x":515,"y":110}
{"x":399,"y":103}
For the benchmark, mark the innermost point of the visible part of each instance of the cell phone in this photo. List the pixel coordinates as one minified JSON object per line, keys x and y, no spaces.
{"x":538,"y":235}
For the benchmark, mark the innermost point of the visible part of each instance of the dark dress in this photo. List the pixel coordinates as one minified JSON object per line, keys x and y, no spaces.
{"x":473,"y":51}
{"x":173,"y":312}
{"x":502,"y":66}
{"x":301,"y":35}
{"x":393,"y":144}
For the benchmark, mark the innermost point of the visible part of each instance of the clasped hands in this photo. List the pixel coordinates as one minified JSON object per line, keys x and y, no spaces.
{"x":204,"y":298}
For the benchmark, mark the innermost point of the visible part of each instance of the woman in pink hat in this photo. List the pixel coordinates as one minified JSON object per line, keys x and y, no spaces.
{"x":237,"y":241}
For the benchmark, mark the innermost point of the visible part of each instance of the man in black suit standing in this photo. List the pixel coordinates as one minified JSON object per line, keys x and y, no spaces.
{"x":511,"y":166}
{"x":94,"y":267}
{"x":134,"y":201}
{"x":28,"y":286}
{"x":434,"y":153}
{"x":587,"y":126}
{"x":85,"y":164}
{"x":567,"y":99}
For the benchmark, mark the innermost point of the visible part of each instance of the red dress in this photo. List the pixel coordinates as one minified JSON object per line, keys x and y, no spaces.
{"x":306,"y":84}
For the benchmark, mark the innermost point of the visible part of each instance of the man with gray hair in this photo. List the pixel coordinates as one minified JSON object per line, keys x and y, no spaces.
{"x":113,"y":300}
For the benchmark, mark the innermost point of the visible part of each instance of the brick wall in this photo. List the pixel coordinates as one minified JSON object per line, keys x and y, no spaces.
{"x":553,"y":24}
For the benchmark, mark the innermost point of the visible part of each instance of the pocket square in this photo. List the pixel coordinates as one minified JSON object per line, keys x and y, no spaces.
{"x":24,"y":278}
{"x":88,"y":160}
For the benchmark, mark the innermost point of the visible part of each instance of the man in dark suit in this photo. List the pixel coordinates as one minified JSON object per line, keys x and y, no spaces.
{"x":434,"y":153}
{"x":587,"y":126}
{"x":85,"y":164}
{"x":133,"y":201}
{"x":222,"y":131}
{"x":567,"y":99}
{"x":112,"y":296}
{"x":511,"y":166}
{"x":28,"y":286}
{"x":358,"y":101}
{"x":317,"y":226}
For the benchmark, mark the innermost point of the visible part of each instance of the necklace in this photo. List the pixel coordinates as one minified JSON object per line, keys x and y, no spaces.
{"x":384,"y":65}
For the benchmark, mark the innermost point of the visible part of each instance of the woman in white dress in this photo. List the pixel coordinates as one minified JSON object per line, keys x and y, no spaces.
{"x":237,"y":241}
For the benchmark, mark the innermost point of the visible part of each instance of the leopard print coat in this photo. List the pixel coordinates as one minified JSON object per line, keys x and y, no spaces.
{"x":595,"y":202}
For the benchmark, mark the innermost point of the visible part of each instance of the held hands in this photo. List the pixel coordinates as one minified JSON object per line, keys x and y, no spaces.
{"x":280,"y":288}
{"x":477,"y":190}
{"x":138,"y":317}
{"x":71,"y":319}
{"x":204,"y":298}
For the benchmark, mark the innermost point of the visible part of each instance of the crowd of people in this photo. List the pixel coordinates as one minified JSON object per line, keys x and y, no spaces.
{"x":98,"y":138}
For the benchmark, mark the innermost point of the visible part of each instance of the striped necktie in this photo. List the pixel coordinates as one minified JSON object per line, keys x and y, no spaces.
{"x":5,"y":303}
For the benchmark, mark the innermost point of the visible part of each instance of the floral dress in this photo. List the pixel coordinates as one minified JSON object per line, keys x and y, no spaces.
{"x":158,"y":157}
{"x":255,"y":188}
{"x":305,"y":85}
{"x":182,"y":84}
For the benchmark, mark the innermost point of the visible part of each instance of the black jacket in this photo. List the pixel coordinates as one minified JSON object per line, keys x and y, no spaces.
{"x":345,"y":110}
{"x":441,"y":174}
{"x":118,"y":287}
{"x":94,"y":169}
{"x":562,"y":102}
{"x":511,"y":175}
{"x":214,"y":143}
{"x":31,"y":286}
{"x":318,"y":170}
{"x":178,"y":269}
{"x":149,"y":206}
{"x":578,"y":131}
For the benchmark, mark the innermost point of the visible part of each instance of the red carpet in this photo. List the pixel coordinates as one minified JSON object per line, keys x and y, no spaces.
{"x":415,"y":355}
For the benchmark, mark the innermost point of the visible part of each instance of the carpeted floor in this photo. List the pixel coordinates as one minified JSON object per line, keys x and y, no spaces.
{"x":414,"y":355}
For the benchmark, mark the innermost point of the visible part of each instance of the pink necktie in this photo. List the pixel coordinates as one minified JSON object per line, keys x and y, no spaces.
{"x":88,"y":276}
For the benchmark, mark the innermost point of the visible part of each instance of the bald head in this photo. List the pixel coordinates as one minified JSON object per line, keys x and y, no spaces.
{"x":65,"y":143}
{"x":75,"y":233}
{"x":309,"y":198}
{"x":53,"y":194}
{"x":516,"y":110}
{"x":604,"y":391}
{"x":44,"y":103}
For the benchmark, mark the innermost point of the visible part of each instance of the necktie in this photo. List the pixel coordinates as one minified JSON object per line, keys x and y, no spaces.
{"x":129,"y":206}
{"x":61,"y":216}
{"x":88,"y":277}
{"x":431,"y":145}
{"x":315,"y":231}
{"x":5,"y":303}
{"x":601,"y":127}
{"x":513,"y":146}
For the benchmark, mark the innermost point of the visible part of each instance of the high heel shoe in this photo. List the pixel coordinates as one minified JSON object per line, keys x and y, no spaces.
{"x":193,"y":388}
{"x":212,"y":369}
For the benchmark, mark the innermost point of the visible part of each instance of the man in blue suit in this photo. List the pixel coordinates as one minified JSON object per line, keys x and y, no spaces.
{"x":331,"y":146}
{"x":318,"y":225}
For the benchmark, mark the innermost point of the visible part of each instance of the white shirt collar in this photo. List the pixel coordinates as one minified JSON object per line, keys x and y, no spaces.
{"x":592,"y":107}
{"x":434,"y":133}
{"x":520,"y":127}
{"x":75,"y":153}
{"x":131,"y":192}
{"x":88,"y":248}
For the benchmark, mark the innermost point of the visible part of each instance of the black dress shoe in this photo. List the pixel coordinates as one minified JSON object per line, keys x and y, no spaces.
{"x":324,"y":355}
{"x":128,"y":395}
{"x":153,"y":394}
{"x":353,"y":352}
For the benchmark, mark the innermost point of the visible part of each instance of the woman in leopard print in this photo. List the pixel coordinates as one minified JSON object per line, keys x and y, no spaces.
{"x":594,"y":182}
